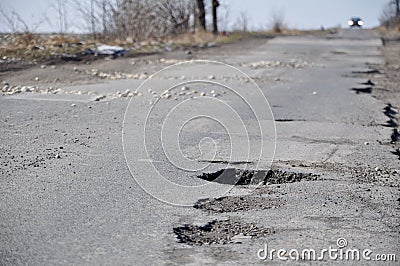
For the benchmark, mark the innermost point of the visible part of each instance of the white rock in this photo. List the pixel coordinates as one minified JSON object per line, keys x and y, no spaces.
{"x":203,"y":94}
{"x":43,"y":66}
{"x":37,"y":78}
{"x":211,"y":77}
{"x":73,"y":105}
{"x":184,"y":88}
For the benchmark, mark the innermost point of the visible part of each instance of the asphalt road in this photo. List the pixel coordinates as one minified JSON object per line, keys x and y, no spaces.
{"x":103,"y":182}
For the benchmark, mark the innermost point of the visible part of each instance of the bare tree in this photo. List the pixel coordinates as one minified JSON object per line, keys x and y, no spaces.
{"x":177,"y":14}
{"x":223,"y":16}
{"x":16,"y":23}
{"x":277,"y":20}
{"x":242,"y":22}
{"x":201,"y":14}
{"x":390,"y":15}
{"x":215,"y":5}
{"x":61,"y":7}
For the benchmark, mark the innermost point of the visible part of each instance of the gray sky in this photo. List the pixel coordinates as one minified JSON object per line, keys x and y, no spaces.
{"x":301,"y":14}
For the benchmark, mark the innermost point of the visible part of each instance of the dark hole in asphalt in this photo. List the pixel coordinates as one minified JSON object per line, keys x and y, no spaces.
{"x":238,"y":203}
{"x":366,"y":71}
{"x":368,"y":82}
{"x":390,"y":123}
{"x":289,"y":120}
{"x":220,"y":232}
{"x":395,"y":135}
{"x":233,"y":176}
{"x":362,"y":90}
{"x":389,"y":111}
{"x":397,"y":153}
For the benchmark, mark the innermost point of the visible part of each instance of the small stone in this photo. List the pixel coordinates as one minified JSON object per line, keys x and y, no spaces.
{"x":366,"y":143}
{"x":43,"y":66}
{"x":58,"y":156}
{"x":184,"y":88}
{"x":377,"y":169}
{"x":37,"y":79}
{"x":203,"y":94}
{"x":73,"y":105}
{"x":75,"y":69}
{"x":211,"y":77}
{"x":314,"y":93}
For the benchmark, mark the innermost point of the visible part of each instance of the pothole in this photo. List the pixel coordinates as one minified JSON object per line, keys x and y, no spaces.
{"x":238,"y":203}
{"x":366,"y":71}
{"x":362,"y":90}
{"x":220,"y":232}
{"x":235,"y":176}
{"x":289,"y":120}
{"x":368,"y":82}
{"x":397,"y":153}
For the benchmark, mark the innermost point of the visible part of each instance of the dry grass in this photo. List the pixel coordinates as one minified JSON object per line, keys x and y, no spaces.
{"x":388,"y":32}
{"x":44,"y":46}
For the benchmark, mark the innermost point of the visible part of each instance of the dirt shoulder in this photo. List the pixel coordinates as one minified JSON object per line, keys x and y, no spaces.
{"x":388,"y":89}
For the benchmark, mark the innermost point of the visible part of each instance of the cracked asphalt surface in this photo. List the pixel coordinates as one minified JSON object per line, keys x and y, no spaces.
{"x":68,"y":197}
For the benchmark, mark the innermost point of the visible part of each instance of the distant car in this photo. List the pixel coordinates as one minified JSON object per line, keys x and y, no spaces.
{"x":355,"y":22}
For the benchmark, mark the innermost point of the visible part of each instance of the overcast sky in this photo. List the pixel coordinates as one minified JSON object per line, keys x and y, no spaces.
{"x":301,"y":14}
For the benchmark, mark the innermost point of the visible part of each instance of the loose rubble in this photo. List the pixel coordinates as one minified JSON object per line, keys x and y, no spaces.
{"x":219,"y":232}
{"x":238,"y":203}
